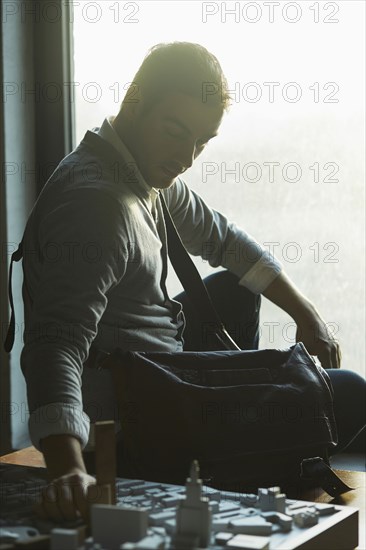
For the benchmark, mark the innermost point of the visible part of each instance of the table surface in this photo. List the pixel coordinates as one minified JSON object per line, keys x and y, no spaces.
{"x":357,"y":480}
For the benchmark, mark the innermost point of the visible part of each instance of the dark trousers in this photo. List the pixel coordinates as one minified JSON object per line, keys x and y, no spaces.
{"x":239,"y":310}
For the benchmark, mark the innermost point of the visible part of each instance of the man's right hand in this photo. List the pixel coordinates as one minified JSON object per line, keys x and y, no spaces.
{"x":65,"y":497}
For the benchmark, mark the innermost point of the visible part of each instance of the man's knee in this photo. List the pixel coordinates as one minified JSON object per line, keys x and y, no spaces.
{"x":237,"y":307}
{"x":223,"y":286}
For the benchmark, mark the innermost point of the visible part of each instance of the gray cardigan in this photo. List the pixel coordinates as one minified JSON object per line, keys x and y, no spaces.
{"x":94,"y":262}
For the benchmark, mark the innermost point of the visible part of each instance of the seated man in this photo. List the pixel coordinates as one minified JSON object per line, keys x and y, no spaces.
{"x":95,"y":261}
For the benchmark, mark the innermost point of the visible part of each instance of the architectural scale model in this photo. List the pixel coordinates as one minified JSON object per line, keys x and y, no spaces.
{"x":132,"y":514}
{"x":150,"y":515}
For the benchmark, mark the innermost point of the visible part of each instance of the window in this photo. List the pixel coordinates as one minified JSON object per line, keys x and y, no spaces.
{"x":288,"y":164}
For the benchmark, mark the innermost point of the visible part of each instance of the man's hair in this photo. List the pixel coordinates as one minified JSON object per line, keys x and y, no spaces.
{"x":183,"y":67}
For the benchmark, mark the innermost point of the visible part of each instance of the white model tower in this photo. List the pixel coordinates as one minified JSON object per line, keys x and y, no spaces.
{"x":193,"y":519}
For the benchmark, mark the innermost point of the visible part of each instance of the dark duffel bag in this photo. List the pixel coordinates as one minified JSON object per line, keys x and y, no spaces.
{"x":249,"y":417}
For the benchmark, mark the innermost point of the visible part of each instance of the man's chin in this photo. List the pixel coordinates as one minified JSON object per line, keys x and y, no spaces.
{"x":163,"y":184}
{"x":161,"y":179}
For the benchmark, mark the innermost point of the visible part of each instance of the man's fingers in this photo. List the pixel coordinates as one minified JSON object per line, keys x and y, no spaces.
{"x":334,"y":355}
{"x":330,"y":357}
{"x":50,"y":503}
{"x":81,"y":502}
{"x":321,"y":343}
{"x":66,"y":502}
{"x":335,"y":358}
{"x":65,"y":499}
{"x":339,"y":355}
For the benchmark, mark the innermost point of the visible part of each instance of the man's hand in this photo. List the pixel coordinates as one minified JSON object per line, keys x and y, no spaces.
{"x":66,"y":497}
{"x":311,"y":328}
{"x":317,"y":340}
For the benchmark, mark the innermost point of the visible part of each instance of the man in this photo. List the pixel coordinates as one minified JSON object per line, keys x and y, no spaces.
{"x":98,"y":273}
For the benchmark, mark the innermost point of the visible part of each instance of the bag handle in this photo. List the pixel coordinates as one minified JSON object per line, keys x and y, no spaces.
{"x":191,"y":279}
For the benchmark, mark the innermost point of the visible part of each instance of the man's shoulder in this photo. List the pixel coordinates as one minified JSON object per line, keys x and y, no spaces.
{"x":85,"y":172}
{"x":177,"y":192}
{"x":180,"y":199}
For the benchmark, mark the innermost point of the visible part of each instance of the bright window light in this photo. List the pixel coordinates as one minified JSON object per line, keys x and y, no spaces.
{"x":288,"y":163}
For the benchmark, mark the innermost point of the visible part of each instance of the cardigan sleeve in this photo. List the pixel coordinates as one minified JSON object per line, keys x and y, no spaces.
{"x":207,"y":233}
{"x":77,"y":239}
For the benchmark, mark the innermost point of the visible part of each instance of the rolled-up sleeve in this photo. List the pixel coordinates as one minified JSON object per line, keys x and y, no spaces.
{"x":57,"y":419}
{"x":207,"y":233}
{"x":81,"y":256}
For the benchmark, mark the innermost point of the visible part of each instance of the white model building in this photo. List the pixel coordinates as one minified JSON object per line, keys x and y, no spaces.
{"x":193,"y":516}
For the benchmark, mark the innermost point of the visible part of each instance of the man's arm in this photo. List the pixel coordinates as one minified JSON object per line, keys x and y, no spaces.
{"x":206,"y":232}
{"x":311,"y":328}
{"x":66,"y":495}
{"x":62,"y":453}
{"x":71,"y":295}
{"x":223,"y":243}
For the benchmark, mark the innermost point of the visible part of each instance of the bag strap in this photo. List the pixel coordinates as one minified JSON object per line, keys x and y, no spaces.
{"x":191,"y":279}
{"x":179,"y":257}
{"x":318,"y":471}
{"x":9,"y":340}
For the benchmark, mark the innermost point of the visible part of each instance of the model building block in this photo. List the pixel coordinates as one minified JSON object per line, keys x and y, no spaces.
{"x":151,"y":542}
{"x":306,"y":518}
{"x":284,"y":521}
{"x":13,"y":534}
{"x":223,"y":538}
{"x":250,"y":526}
{"x":111,"y":525}
{"x":64,"y":539}
{"x":271,"y":499}
{"x":194,"y":515}
{"x":186,"y":542}
{"x":325,"y":509}
{"x":249,"y":499}
{"x":99,"y":494}
{"x":248,"y":542}
{"x":105,"y":456}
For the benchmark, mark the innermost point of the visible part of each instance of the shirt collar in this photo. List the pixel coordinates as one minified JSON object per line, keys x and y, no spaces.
{"x":107,"y":132}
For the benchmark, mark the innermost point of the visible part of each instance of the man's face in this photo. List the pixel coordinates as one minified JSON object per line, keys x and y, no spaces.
{"x":167,"y":139}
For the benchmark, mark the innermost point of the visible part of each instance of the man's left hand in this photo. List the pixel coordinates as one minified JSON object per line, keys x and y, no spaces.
{"x":312,"y":330}
{"x":318,"y":341}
